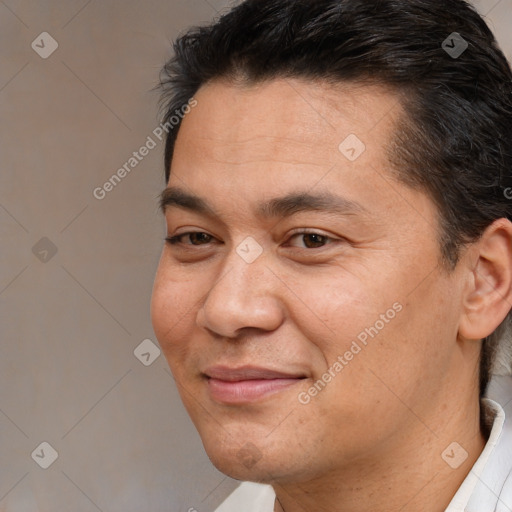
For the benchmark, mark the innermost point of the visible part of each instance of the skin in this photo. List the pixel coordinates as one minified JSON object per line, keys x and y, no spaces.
{"x":372,"y":438}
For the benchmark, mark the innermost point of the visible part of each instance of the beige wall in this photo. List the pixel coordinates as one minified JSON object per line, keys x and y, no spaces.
{"x":70,"y":321}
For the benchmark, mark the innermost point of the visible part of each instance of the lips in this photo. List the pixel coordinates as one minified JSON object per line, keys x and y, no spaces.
{"x":247,"y":384}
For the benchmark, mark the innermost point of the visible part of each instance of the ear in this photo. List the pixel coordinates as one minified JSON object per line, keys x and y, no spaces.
{"x":488,"y":298}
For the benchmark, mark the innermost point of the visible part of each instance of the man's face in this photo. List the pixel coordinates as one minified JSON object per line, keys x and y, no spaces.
{"x":296,"y":353}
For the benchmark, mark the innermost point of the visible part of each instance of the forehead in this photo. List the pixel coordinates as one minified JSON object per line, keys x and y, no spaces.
{"x":242,"y":146}
{"x":292,"y":120}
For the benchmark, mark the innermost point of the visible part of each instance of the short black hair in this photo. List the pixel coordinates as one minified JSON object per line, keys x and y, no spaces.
{"x":454,"y":83}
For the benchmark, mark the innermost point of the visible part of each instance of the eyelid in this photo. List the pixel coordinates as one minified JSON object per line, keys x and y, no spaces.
{"x":310,"y":231}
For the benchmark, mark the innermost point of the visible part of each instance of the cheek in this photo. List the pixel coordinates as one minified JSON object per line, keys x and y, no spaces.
{"x":333,"y":308}
{"x":412,"y":354}
{"x":378,"y":327}
{"x":172,"y":308}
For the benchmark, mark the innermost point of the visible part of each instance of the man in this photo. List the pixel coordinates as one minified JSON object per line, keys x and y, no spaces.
{"x":335,"y":288}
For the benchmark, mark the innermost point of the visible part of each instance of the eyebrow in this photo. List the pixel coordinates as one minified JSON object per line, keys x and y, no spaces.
{"x":284,"y":206}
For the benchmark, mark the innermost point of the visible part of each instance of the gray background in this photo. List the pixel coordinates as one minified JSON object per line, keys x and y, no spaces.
{"x":70,"y":321}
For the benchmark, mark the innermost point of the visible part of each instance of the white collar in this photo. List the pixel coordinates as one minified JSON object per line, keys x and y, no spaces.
{"x":472,"y":489}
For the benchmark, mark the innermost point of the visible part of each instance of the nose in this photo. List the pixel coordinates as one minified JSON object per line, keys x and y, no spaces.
{"x":244,"y":296}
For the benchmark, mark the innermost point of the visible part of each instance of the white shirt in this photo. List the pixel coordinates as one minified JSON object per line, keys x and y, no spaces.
{"x":487,"y":488}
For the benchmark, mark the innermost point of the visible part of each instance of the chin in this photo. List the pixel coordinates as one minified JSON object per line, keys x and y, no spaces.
{"x":241,"y":457}
{"x":243,"y":460}
{"x":235,"y":470}
{"x":243,"y":464}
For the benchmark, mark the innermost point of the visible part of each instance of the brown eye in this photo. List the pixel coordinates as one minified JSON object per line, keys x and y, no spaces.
{"x":311,"y":240}
{"x":199,"y":238}
{"x":196,"y":238}
{"x":314,"y":240}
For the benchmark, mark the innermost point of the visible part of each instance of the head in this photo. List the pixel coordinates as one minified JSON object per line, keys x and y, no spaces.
{"x":408,"y":277}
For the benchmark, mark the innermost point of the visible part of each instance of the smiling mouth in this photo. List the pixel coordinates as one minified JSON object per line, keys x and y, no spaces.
{"x":248,"y":384}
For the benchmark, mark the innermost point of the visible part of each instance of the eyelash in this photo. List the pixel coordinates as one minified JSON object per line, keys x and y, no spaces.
{"x":176,"y":240}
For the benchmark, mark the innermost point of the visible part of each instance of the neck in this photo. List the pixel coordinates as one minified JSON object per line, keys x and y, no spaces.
{"x":404,"y":475}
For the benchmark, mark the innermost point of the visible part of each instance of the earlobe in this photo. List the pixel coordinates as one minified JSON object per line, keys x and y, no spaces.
{"x":488,"y":299}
